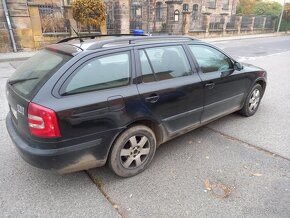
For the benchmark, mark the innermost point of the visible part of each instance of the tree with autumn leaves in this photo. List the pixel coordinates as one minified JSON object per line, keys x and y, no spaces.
{"x":259,"y":7}
{"x":89,"y":12}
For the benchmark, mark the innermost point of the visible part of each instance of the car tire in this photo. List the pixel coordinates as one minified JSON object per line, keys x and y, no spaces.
{"x":133,"y":151}
{"x":252,"y":102}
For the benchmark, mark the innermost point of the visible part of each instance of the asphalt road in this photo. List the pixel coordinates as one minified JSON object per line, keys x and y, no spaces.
{"x":233,"y":167}
{"x":270,"y":127}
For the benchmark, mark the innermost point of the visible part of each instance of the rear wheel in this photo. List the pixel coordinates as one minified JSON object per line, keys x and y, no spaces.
{"x":133,"y":151}
{"x":253,"y":101}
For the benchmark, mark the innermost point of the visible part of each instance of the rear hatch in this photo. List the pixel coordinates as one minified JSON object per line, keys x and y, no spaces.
{"x":26,"y":82}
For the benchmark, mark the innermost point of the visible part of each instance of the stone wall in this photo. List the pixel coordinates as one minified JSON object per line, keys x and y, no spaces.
{"x":4,"y":37}
{"x":21,"y":25}
{"x":43,"y":2}
{"x":223,"y":29}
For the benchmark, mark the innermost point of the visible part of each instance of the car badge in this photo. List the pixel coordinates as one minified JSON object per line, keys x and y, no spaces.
{"x":20,"y":109}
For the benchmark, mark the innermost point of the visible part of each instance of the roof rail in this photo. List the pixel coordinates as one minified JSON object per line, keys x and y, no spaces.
{"x":95,"y":36}
{"x":131,"y":40}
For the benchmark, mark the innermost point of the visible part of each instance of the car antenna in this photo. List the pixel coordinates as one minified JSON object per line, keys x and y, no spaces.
{"x":77,"y":35}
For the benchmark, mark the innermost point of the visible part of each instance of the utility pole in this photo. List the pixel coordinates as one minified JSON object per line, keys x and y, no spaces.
{"x":281,"y":17}
{"x":154,"y":15}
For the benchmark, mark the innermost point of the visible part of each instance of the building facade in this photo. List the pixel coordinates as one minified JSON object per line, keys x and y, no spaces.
{"x":153,"y":15}
{"x":36,"y":23}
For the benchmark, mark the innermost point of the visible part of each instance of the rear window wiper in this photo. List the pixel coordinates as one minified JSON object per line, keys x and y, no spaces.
{"x":11,"y":82}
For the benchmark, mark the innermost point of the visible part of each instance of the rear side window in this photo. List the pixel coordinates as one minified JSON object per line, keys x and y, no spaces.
{"x":100,"y":73}
{"x":35,"y":71}
{"x":161,"y":63}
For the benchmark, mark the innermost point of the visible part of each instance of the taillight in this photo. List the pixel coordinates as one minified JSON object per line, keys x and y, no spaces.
{"x":42,"y":121}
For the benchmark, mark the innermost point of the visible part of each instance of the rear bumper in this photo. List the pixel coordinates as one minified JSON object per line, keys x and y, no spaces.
{"x":63,"y":160}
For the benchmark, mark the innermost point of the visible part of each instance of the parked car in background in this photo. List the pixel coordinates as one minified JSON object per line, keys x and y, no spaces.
{"x":82,"y":103}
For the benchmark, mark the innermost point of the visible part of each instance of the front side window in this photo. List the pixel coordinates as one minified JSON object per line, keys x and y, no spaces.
{"x":161,"y":63}
{"x":100,"y":73}
{"x":210,"y":59}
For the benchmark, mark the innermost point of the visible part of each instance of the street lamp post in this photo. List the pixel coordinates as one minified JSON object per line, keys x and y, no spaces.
{"x":281,"y":17}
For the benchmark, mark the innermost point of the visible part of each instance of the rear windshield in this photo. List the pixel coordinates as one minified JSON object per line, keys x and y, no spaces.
{"x":33,"y":73}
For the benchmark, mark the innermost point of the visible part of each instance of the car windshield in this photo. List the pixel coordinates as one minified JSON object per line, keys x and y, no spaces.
{"x":35,"y":71}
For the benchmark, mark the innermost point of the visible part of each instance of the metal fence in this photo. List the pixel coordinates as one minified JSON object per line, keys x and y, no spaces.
{"x":245,"y":22}
{"x":258,"y":22}
{"x":231,"y":22}
{"x":86,"y":29}
{"x":52,"y":19}
{"x":215,"y":22}
{"x":269,"y":22}
{"x":196,"y":22}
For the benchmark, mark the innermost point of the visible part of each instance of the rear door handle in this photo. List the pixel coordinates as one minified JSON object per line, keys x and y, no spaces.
{"x":153,"y":98}
{"x":210,"y":85}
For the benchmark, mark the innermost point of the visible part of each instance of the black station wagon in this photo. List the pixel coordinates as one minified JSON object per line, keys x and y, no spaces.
{"x":85,"y":102}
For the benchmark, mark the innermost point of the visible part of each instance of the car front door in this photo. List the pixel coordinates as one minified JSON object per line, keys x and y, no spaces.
{"x":169,"y":89}
{"x":224,"y":87}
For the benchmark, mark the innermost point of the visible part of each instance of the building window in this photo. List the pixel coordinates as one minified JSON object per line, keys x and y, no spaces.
{"x":225,"y":4}
{"x":212,"y":4}
{"x":185,"y":7}
{"x":176,"y":15}
{"x":159,"y":11}
{"x":195,"y":11}
{"x":110,"y":16}
{"x":136,"y":11}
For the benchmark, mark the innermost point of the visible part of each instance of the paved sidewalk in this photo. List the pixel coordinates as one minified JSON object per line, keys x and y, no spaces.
{"x":253,"y":36}
{"x":20,"y":56}
{"x":26,"y":191}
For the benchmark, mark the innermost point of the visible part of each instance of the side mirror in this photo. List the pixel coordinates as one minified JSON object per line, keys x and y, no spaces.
{"x":238,"y":66}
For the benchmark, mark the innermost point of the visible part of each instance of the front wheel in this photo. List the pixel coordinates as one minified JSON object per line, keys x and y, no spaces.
{"x":253,"y":101}
{"x":133,"y":151}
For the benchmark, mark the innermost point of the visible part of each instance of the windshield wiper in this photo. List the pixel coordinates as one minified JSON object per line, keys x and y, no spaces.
{"x":11,"y":82}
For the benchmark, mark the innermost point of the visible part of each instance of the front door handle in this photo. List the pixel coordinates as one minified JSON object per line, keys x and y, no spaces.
{"x":210,"y":85}
{"x":153,"y":98}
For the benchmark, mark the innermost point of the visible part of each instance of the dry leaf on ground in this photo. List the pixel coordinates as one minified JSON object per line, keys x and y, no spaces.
{"x":207,"y":185}
{"x":256,"y":174}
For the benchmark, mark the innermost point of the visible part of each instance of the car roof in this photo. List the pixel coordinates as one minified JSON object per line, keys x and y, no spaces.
{"x":93,"y":42}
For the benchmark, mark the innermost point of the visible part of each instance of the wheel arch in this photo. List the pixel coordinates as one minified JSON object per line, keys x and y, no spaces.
{"x":154,"y":126}
{"x":157,"y":128}
{"x":262,"y":83}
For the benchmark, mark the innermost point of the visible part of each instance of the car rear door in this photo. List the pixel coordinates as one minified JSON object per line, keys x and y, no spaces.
{"x":168,"y":87}
{"x":93,"y":96}
{"x":224,"y":86}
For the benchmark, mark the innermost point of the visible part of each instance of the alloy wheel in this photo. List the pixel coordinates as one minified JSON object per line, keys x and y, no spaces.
{"x":254,"y":100}
{"x":135,"y":152}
